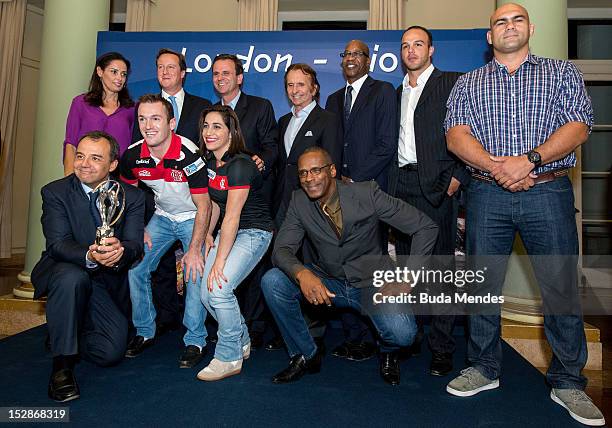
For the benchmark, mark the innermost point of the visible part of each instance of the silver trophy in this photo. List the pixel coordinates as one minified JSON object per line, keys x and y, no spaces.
{"x":110,"y":204}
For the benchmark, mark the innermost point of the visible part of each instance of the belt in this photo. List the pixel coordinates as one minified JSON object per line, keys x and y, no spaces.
{"x":410,"y":167}
{"x":545,"y":177}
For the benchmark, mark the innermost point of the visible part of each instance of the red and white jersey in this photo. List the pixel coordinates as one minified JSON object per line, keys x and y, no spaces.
{"x":173,"y":179}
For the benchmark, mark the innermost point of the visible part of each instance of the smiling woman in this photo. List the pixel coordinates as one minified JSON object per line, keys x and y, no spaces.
{"x":106,"y":106}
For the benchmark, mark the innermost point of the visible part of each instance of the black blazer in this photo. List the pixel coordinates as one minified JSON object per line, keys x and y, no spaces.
{"x":189,"y":120}
{"x":436,"y":164}
{"x":370,"y":136}
{"x":321,"y":128}
{"x":69,"y":229}
{"x":363,"y":206}
{"x":259,"y":128}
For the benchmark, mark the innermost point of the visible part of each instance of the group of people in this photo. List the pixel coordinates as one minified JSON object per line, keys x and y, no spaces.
{"x":309,"y":196}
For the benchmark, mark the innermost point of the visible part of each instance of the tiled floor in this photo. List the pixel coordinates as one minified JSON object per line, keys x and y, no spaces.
{"x":600,"y":382}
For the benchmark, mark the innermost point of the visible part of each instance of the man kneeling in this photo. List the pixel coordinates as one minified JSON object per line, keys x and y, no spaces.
{"x":86,"y":284}
{"x":341,"y":221}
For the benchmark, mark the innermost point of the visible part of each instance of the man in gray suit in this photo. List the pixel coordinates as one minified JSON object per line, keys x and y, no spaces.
{"x":341,"y":220}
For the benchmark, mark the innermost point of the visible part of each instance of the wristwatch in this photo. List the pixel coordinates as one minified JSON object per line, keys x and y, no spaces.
{"x":535,"y":158}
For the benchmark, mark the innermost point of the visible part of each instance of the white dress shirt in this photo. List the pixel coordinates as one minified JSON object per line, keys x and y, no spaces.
{"x":179,"y":97}
{"x":357,"y":84}
{"x":410,"y":98}
{"x":296,"y":122}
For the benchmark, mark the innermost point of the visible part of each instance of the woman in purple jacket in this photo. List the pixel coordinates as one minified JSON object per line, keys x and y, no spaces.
{"x":107,"y":106}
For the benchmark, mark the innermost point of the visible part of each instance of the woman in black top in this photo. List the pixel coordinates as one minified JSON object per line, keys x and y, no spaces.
{"x":234,"y":185}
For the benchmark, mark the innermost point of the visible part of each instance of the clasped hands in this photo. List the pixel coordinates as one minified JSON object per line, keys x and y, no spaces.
{"x":108,"y":253}
{"x":513,"y":173}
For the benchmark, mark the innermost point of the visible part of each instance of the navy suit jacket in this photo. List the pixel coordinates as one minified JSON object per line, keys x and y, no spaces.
{"x":188,"y":125}
{"x":370,"y":135}
{"x":436,"y":164}
{"x":321,"y":128}
{"x":69,"y":229}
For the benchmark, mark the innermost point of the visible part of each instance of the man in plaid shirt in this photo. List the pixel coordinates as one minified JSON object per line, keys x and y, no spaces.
{"x":516,"y":123}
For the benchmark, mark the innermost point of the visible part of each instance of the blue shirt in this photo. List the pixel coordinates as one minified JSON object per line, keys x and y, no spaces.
{"x":513,"y":114}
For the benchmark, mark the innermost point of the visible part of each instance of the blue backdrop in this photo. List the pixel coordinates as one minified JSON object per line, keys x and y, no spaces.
{"x":267,"y":54}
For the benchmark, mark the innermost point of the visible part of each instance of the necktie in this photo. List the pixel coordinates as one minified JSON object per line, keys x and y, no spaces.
{"x":175,"y":109}
{"x":93,"y":198}
{"x":348,"y":100}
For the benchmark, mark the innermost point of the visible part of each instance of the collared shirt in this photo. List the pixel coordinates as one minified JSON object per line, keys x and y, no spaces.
{"x":233,"y":102}
{"x":513,"y":114}
{"x":295,"y":123}
{"x":410,"y":98}
{"x":357,"y":84}
{"x":179,"y":97}
{"x":173,"y":179}
{"x":333,"y":212}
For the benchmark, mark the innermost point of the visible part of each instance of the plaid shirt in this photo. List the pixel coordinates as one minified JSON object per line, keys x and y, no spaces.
{"x":513,"y":114}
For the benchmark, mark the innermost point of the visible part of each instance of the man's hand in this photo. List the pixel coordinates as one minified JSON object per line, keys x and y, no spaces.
{"x":209,"y":243}
{"x":147,"y":240}
{"x":524,"y":184}
{"x":509,"y":170}
{"x":313,"y":289}
{"x":259,"y":162}
{"x":453,"y":186}
{"x":193,"y":264}
{"x":108,"y":253}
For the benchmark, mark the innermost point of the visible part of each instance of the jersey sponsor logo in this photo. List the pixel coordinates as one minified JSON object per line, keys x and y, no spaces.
{"x":177,"y":175}
{"x":194,"y":167}
{"x":143,"y":161}
{"x":211,"y":174}
{"x":144,"y":173}
{"x":219,"y":182}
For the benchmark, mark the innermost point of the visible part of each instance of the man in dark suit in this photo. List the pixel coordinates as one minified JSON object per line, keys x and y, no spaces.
{"x":86,"y":283}
{"x":424,"y":173}
{"x":306,"y":125}
{"x":368,"y":108}
{"x":260,"y":131}
{"x":341,"y":220}
{"x":171,"y":72}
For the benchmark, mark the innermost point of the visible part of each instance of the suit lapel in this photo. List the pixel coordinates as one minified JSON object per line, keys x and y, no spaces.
{"x":80,"y":204}
{"x":431,"y":84}
{"x":348,"y":204}
{"x":241,"y":107}
{"x":300,"y":138}
{"x":362,"y":97}
{"x":187,"y":107}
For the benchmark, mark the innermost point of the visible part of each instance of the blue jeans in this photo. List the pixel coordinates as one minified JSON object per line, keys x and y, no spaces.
{"x":249,"y":247}
{"x":284,"y":296}
{"x":164,"y":232}
{"x":544,"y":216}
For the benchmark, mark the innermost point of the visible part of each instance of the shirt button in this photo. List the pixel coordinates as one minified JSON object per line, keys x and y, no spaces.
{"x":344,"y":165}
{"x":346,"y":145}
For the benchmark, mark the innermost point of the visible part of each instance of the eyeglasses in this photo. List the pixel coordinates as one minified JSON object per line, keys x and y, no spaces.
{"x":303,"y":173}
{"x":355,"y":54}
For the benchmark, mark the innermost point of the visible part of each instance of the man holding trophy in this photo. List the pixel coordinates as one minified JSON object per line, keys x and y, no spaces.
{"x":93,"y":228}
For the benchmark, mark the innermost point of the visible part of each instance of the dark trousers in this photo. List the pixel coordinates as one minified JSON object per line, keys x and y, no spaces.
{"x":87,"y":313}
{"x":445,"y":216}
{"x":166,"y":300}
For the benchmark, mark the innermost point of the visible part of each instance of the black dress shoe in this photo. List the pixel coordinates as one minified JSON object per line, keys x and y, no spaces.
{"x":63,"y":386}
{"x":275,"y":344}
{"x":192,"y":355}
{"x":298,"y":367}
{"x":389,"y":368}
{"x":355,"y":351}
{"x":137,"y":345}
{"x":441,"y":364}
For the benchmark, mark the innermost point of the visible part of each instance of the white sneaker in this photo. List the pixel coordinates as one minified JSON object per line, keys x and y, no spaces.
{"x":218,"y":370}
{"x":470,"y":382}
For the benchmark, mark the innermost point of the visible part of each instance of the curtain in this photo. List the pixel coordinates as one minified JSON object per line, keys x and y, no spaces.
{"x":137,"y":16}
{"x":386,"y":15}
{"x":12,"y":23}
{"x":257,"y":15}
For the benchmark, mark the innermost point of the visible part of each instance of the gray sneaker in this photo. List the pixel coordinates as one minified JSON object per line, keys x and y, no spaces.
{"x":470,"y":382}
{"x":579,"y":406}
